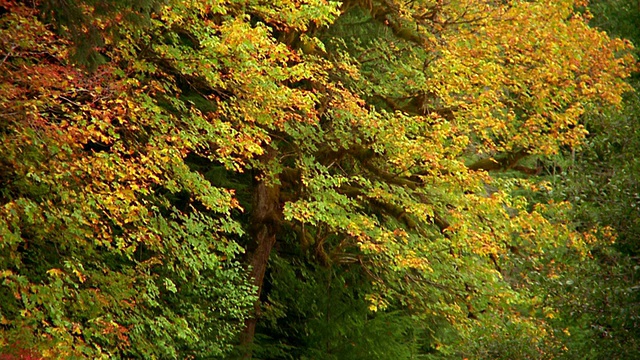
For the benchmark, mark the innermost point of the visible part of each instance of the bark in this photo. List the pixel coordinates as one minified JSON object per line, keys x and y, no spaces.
{"x":265,"y":219}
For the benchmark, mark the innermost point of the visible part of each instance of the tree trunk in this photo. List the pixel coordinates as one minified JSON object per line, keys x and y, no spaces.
{"x":265,"y":219}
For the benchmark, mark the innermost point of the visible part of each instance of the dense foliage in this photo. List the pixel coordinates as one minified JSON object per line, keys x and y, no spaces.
{"x":299,"y":179}
{"x":601,"y":182}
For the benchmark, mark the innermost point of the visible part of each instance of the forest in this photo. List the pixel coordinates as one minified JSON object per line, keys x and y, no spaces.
{"x":314,"y":179}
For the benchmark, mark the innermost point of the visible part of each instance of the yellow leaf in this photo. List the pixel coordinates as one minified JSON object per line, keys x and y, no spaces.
{"x":55,"y":272}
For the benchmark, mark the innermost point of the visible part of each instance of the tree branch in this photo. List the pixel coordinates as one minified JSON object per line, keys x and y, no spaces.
{"x":504,"y":162}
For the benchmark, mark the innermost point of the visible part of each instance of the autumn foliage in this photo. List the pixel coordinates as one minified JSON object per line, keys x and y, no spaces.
{"x":151,"y":168}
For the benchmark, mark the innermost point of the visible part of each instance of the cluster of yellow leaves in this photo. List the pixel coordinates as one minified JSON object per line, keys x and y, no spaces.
{"x":523,"y":74}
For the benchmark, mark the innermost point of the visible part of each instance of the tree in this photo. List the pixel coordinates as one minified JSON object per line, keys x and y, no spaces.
{"x":363,"y":130}
{"x":110,"y":245}
{"x":600,"y":181}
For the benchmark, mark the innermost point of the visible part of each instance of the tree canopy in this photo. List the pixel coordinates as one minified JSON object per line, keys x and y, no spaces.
{"x":157,"y":155}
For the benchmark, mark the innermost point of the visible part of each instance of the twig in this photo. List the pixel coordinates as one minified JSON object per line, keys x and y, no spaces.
{"x":8,"y":54}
